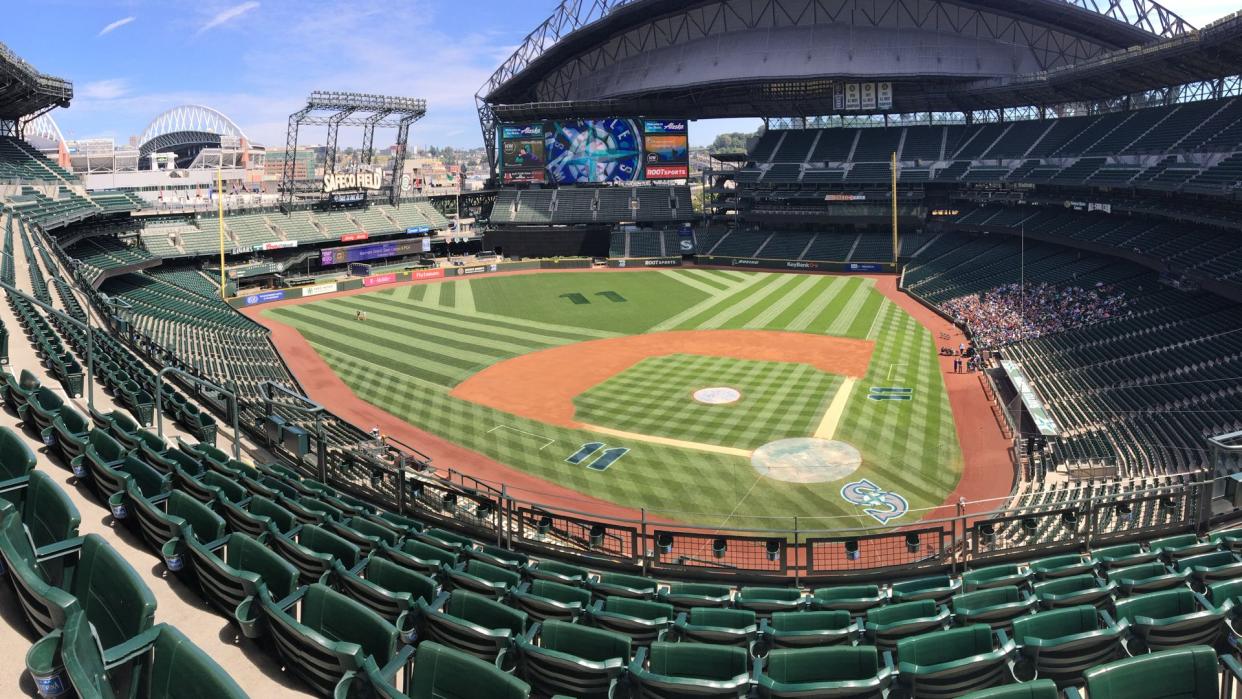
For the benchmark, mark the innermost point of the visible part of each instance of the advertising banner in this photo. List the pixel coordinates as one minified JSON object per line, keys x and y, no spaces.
{"x":1043,"y":420}
{"x":666,"y":149}
{"x":646,"y":262}
{"x":437,"y":273}
{"x":865,"y":267}
{"x":351,"y":237}
{"x":265,"y":297}
{"x":277,"y":245}
{"x":418,"y":230}
{"x":379,"y":279}
{"x":319,"y":289}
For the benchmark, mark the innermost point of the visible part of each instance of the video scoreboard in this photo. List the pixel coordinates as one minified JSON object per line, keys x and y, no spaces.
{"x":594,"y":151}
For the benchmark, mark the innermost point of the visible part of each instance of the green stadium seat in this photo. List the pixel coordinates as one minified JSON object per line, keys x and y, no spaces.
{"x":17,"y":389}
{"x":419,"y":556}
{"x":42,"y":407}
{"x":1062,"y":566}
{"x":16,"y":458}
{"x":498,"y":556}
{"x":1074,"y":590}
{"x":557,"y":572}
{"x":995,"y":576}
{"x":40,"y":508}
{"x":235,"y":567}
{"x":328,"y":636}
{"x":558,"y":657}
{"x":732,"y":627}
{"x":1183,"y":673}
{"x":175,"y":515}
{"x":71,"y":431}
{"x":853,"y":672}
{"x":1038,"y":689}
{"x":1207,"y":568}
{"x":544,"y":599}
{"x":851,"y":598}
{"x":254,"y":515}
{"x":364,"y":533}
{"x":997,"y":606}
{"x":808,"y":629}
{"x":482,"y":578}
{"x":885,"y":626}
{"x":312,"y":550}
{"x":1230,"y":539}
{"x":439,"y":672}
{"x":1170,"y":619}
{"x":445,"y":539}
{"x":765,"y":600}
{"x":103,"y":455}
{"x":471,"y":623}
{"x":1062,"y":643}
{"x":1171,"y":548}
{"x":953,"y":662}
{"x":938,"y":588}
{"x":1123,"y":555}
{"x":683,"y":596}
{"x":1146,"y":577}
{"x":166,"y":664}
{"x":1227,"y":592}
{"x":685,"y":670}
{"x":387,"y":589}
{"x":621,"y":585}
{"x":643,"y":621}
{"x":96,"y":581}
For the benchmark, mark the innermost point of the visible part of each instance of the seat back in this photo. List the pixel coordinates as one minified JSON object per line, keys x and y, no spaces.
{"x":385,"y":587}
{"x":1183,"y":673}
{"x":545,"y":599}
{"x":641,"y":620}
{"x":313,"y":549}
{"x":441,"y":671}
{"x":47,"y":512}
{"x":839,"y":664}
{"x":1176,"y":619}
{"x":573,"y":660}
{"x":1062,"y":643}
{"x":854,"y":598}
{"x":16,"y":457}
{"x":474,"y":624}
{"x":115,"y":599}
{"x":225,"y":580}
{"x":692,"y":669}
{"x":205,"y":524}
{"x":950,"y":663}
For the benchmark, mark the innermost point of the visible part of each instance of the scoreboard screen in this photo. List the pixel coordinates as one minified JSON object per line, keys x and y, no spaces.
{"x":373,"y":251}
{"x":594,"y":151}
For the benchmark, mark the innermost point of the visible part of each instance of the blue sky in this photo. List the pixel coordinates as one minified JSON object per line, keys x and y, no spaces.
{"x":256,"y":60}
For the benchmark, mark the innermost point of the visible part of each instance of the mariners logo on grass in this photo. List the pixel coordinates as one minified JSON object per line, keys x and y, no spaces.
{"x":882,"y":505}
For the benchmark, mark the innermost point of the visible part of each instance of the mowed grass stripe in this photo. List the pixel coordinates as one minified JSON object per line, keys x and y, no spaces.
{"x":743,"y":294}
{"x":423,"y":369}
{"x":705,"y":306}
{"x":464,"y":336}
{"x":795,"y":296}
{"x":849,"y":311}
{"x":500,"y":324}
{"x":866,"y":314}
{"x":432,"y":297}
{"x":465,"y":296}
{"x":448,"y":294}
{"x":807,"y":316}
{"x":782,"y":283}
{"x":401,"y":339}
{"x":707,"y":277}
{"x":691,"y":281}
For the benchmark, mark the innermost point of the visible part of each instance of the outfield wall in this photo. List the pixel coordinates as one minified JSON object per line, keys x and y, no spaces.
{"x":386,"y":278}
{"x":795,"y":265}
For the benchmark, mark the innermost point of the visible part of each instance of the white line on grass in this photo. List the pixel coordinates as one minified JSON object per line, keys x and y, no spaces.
{"x":894,"y":366}
{"x":550,"y":442}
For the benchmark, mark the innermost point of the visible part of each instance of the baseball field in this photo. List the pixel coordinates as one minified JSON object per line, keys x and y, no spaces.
{"x":712,"y":397}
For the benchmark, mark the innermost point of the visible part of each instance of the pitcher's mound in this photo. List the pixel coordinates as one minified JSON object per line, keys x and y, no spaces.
{"x":806,"y":460}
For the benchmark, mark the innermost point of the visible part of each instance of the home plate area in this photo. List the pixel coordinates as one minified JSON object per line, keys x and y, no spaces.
{"x":806,"y":460}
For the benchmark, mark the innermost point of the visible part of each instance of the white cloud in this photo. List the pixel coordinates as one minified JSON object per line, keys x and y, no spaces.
{"x":228,"y":15}
{"x":104,"y":89}
{"x":116,"y":25}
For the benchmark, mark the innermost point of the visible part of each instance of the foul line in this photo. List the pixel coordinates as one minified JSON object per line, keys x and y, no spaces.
{"x":832,"y":417}
{"x":665,"y":441}
{"x":550,"y":442}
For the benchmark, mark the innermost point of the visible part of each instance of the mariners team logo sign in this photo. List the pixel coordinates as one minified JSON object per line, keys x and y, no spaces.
{"x":882,"y":505}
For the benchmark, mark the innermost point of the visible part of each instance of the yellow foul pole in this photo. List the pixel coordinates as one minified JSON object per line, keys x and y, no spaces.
{"x":895,"y":248}
{"x":220,"y":220}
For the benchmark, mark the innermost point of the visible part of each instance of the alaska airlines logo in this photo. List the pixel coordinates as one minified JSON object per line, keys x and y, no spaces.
{"x":881,"y":504}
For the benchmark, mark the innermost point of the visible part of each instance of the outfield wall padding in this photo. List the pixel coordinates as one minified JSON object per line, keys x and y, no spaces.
{"x":646,"y":262}
{"x":795,"y":265}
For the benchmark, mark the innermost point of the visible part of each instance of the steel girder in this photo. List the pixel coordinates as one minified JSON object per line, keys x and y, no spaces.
{"x":188,"y":118}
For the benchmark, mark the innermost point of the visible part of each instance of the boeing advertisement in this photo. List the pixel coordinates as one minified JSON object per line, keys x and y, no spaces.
{"x":593,"y":151}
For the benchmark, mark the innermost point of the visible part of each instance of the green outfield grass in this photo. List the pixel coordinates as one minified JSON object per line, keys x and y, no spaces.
{"x":779,"y":400}
{"x":421,"y":340}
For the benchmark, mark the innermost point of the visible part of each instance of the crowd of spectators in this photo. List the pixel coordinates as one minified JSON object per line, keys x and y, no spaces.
{"x":1009,"y":313}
